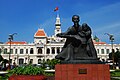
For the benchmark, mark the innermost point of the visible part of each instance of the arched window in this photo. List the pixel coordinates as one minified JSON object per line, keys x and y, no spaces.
{"x":43,"y":60}
{"x":31,"y":51}
{"x":107,"y":51}
{"x":40,"y":51}
{"x":48,"y":59}
{"x":21,"y":51}
{"x":58,"y":50}
{"x":26,"y":51}
{"x":53,"y":50}
{"x":31,"y":61}
{"x":11,"y":51}
{"x":98,"y":51}
{"x":21,"y":61}
{"x":5,"y":51}
{"x":48,"y":51}
{"x":102,"y":51}
{"x":16,"y":51}
{"x":39,"y":61}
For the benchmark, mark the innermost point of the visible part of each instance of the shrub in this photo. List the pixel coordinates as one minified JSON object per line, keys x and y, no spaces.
{"x":27,"y":70}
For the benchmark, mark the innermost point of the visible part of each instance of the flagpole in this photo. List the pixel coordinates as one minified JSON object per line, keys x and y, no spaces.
{"x":56,"y":10}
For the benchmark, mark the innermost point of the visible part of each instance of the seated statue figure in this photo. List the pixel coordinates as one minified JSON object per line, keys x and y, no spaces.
{"x":90,"y":46}
{"x":78,"y":45}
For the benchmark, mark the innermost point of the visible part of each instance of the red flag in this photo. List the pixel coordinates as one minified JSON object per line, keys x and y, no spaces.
{"x":56,"y":9}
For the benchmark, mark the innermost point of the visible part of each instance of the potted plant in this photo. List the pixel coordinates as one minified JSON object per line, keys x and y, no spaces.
{"x":27,"y":72}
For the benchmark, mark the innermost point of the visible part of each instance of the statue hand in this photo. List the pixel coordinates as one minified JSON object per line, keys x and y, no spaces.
{"x":81,"y":34}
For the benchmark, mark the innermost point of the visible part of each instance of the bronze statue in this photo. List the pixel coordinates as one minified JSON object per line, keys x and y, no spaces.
{"x":90,"y":46}
{"x":78,"y":45}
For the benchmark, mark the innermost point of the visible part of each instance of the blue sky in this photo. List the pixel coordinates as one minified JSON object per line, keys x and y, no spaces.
{"x":24,"y":17}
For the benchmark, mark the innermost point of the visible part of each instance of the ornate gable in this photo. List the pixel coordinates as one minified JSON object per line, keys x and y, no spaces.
{"x":40,"y":33}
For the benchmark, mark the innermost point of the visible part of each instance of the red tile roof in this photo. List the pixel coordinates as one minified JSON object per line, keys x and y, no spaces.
{"x":40,"y":33}
{"x":99,"y":43}
{"x":16,"y":42}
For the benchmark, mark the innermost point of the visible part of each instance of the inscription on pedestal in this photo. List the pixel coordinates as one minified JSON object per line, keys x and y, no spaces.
{"x":82,"y":71}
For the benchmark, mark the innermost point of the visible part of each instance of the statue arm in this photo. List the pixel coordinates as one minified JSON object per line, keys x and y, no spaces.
{"x":81,"y":34}
{"x":64,"y":34}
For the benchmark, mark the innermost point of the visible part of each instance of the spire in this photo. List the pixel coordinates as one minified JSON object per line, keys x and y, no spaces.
{"x":57,"y":21}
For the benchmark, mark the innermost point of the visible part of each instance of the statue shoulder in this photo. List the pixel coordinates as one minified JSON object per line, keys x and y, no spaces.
{"x":70,"y":27}
{"x":85,"y":27}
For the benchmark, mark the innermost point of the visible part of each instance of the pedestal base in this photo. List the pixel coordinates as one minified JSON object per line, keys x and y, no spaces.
{"x":82,"y":72}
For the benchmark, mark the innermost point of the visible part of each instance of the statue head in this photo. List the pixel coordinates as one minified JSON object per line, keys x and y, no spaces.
{"x":85,"y":26}
{"x":75,"y":18}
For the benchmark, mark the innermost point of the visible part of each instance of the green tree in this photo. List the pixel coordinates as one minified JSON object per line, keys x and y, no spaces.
{"x":52,"y":63}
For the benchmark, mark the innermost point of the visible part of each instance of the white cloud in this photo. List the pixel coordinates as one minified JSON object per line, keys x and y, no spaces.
{"x":105,"y":19}
{"x":110,"y":27}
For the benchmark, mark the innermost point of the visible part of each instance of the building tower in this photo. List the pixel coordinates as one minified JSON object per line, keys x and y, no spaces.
{"x":57,"y":25}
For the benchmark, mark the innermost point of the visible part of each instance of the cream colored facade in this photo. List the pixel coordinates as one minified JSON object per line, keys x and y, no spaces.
{"x":45,"y":48}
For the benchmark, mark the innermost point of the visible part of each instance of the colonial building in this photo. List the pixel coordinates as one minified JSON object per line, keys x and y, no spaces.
{"x":45,"y":47}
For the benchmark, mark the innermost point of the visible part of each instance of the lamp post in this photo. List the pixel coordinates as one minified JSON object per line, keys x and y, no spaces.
{"x":14,"y":59}
{"x":10,"y":40}
{"x":111,"y":38}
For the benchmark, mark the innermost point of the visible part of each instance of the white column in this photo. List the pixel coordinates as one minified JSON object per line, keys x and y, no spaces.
{"x":50,"y":50}
{"x":55,"y":50}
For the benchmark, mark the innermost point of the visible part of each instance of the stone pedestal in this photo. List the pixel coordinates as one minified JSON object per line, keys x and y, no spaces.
{"x":82,"y":72}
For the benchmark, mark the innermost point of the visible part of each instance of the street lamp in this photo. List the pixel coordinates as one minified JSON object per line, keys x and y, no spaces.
{"x":10,"y":40}
{"x":14,"y":59}
{"x":111,"y":38}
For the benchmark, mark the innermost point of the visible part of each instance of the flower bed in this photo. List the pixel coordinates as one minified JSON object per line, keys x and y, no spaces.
{"x":27,"y":72}
{"x":50,"y":77}
{"x":27,"y":77}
